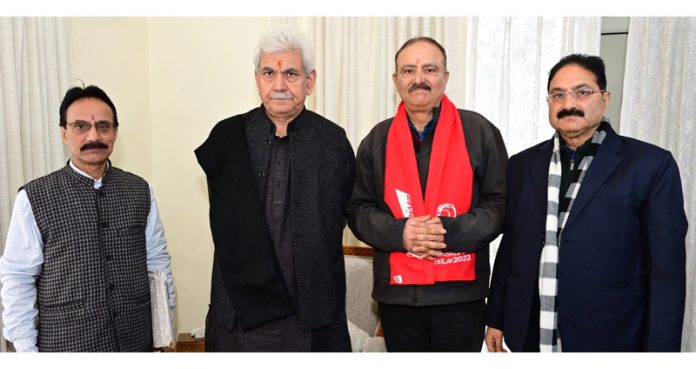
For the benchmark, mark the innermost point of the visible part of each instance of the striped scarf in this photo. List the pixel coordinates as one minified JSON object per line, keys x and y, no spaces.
{"x":556,"y":216}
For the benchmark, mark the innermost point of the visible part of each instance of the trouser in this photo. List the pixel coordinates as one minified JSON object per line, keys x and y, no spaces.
{"x":284,"y":335}
{"x":445,"y":328}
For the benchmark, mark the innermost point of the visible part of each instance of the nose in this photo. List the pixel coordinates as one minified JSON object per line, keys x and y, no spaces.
{"x":279,"y":83}
{"x":569,"y":100}
{"x":93,"y":133}
{"x":418,"y":76}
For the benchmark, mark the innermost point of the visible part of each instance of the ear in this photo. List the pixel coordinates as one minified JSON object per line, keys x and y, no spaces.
{"x":64,"y":134}
{"x":395,"y":79}
{"x":311,"y":79}
{"x":606,"y":98}
{"x":258,"y":81}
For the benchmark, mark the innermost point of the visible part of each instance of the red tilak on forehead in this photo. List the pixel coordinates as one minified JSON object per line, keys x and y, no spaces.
{"x":280,"y":65}
{"x":93,"y":118}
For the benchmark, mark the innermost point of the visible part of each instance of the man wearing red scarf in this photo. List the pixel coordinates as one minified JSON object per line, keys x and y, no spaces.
{"x":429,"y":196}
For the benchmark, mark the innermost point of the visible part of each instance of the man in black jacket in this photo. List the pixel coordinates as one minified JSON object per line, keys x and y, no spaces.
{"x":279,"y":177}
{"x":429,"y":197}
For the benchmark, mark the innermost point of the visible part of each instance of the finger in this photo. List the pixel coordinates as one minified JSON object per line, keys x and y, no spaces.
{"x":417,"y":224}
{"x":433,"y":245}
{"x":435,"y":228}
{"x":422,"y":218}
{"x":434,"y":253}
{"x":497,"y":347}
{"x":493,"y":343}
{"x":429,"y":250}
{"x":424,"y":237}
{"x":434,"y":220}
{"x":490,"y":344}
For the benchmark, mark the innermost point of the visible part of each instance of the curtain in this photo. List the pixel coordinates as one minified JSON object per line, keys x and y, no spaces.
{"x":658,"y":107}
{"x":498,"y":67}
{"x":34,"y":74}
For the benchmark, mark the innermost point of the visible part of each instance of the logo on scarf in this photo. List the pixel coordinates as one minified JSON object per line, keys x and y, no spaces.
{"x":404,"y":203}
{"x":447,"y":210}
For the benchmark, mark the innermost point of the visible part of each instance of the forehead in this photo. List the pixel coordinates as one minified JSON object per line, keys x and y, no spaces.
{"x":573,"y":75}
{"x":421,"y":52}
{"x":290,"y":58}
{"x":87,"y":107}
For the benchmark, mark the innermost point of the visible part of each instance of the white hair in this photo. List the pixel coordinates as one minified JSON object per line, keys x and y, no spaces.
{"x":285,"y":39}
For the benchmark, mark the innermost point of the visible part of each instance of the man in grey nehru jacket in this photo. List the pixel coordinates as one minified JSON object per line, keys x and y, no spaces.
{"x":80,"y":244}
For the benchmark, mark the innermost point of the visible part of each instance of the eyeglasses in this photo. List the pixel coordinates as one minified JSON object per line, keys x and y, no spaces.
{"x":579,"y":94}
{"x":269,"y":75}
{"x":81,"y":127}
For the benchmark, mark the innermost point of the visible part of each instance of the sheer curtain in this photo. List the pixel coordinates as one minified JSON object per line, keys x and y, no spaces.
{"x":498,"y":67}
{"x":658,"y":107}
{"x":34,"y":74}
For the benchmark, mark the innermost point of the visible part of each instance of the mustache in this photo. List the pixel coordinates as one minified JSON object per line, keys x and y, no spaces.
{"x":570,"y":112}
{"x":93,"y":145}
{"x":419,"y":86}
{"x":281,"y":96}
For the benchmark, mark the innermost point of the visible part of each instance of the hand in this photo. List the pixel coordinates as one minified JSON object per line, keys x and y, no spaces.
{"x":424,"y":236}
{"x":494,"y":340}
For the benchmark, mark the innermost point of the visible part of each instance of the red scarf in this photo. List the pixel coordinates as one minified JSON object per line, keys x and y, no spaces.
{"x":448,"y":193}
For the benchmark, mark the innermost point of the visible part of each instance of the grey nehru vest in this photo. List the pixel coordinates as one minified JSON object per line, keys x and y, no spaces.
{"x":93,"y":289}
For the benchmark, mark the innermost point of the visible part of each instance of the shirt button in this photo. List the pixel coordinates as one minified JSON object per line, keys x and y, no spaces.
{"x":260,"y":173}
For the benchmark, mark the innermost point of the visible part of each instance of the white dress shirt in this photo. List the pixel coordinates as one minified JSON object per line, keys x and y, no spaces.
{"x":20,"y":266}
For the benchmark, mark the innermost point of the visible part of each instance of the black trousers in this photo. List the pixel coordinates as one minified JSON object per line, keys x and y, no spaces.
{"x":445,"y":328}
{"x":285,"y":335}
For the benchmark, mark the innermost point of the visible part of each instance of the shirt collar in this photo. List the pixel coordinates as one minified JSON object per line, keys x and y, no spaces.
{"x":428,"y":126}
{"x":295,"y":123}
{"x":97,"y":182}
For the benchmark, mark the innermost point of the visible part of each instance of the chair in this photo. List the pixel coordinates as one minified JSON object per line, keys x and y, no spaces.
{"x":361,"y":309}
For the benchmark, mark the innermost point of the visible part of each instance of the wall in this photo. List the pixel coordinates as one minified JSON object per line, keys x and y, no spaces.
{"x":613,"y":52}
{"x":112,"y":53}
{"x":172,"y":79}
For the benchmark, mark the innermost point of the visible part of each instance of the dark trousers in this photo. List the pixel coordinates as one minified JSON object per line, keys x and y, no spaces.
{"x":285,"y":335}
{"x":446,"y":328}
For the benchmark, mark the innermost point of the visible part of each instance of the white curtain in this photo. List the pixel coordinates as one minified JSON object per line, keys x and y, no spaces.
{"x":34,"y":74}
{"x":498,"y":67}
{"x":658,"y":107}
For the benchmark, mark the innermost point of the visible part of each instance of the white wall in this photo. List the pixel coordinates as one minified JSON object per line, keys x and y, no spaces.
{"x":112,"y":53}
{"x":171,"y":80}
{"x":613,"y":51}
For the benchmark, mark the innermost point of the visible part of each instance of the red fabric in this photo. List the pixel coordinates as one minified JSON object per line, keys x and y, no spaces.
{"x":448,"y":193}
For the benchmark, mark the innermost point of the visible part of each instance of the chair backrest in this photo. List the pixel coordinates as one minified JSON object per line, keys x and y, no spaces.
{"x":361,"y":309}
